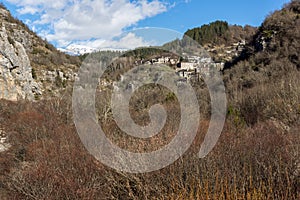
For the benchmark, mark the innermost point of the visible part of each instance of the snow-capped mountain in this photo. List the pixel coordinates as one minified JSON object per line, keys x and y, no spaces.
{"x":76,"y":49}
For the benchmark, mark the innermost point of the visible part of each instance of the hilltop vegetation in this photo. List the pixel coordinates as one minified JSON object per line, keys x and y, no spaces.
{"x":223,"y":41}
{"x":220,"y":33}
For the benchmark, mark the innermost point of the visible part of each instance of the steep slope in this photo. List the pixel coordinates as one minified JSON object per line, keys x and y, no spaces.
{"x":29,"y":66}
{"x":263,"y":82}
{"x":16,"y":79}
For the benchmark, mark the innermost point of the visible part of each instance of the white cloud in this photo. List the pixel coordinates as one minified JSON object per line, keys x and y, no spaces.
{"x":27,"y":10}
{"x":128,"y":41}
{"x":125,"y":42}
{"x":65,"y":21}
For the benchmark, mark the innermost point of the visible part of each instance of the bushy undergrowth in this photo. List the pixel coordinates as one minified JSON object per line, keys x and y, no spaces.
{"x":48,"y":161}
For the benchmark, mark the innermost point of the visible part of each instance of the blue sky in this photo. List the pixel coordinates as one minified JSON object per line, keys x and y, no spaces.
{"x":96,"y":23}
{"x":197,"y":12}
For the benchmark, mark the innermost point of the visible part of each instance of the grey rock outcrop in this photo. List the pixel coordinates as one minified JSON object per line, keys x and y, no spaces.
{"x":30,"y":67}
{"x":3,"y":143}
{"x":16,"y":81}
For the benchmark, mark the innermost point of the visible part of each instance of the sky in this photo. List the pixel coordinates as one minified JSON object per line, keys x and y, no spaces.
{"x":108,"y":24}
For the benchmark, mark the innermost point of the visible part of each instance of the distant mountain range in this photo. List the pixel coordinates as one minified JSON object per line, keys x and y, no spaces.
{"x":76,"y":50}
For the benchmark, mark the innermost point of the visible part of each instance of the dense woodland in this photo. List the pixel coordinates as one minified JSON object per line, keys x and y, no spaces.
{"x":220,"y":33}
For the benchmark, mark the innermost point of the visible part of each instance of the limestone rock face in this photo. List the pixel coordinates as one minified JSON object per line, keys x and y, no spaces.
{"x":16,"y":81}
{"x":3,"y":143}
{"x":25,"y":59}
{"x":30,"y":67}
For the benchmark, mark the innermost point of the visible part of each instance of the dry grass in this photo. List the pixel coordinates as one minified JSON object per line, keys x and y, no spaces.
{"x":48,"y":161}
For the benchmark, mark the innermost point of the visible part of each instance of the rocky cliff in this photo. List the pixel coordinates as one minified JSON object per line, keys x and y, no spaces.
{"x":16,"y":81}
{"x":30,"y":68}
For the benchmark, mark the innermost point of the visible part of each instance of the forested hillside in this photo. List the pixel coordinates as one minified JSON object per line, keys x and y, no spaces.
{"x":223,"y":41}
